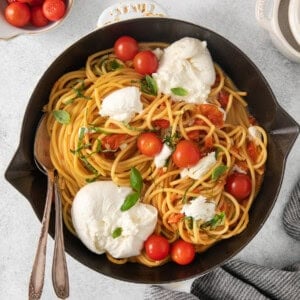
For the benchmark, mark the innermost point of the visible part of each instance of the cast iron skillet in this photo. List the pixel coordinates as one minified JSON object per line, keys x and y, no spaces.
{"x":282,"y":132}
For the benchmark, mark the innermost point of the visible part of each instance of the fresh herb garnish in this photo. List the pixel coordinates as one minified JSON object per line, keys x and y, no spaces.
{"x":218,"y":151}
{"x":170,"y":139}
{"x":149,"y":85}
{"x":179,"y":91}
{"x":113,"y":65}
{"x":62,"y":116}
{"x":79,"y":93}
{"x":184,"y":200}
{"x":218,"y":171}
{"x":132,"y":128}
{"x":117,"y":232}
{"x":136,"y":182}
{"x":217,"y":220}
{"x":189,"y":221}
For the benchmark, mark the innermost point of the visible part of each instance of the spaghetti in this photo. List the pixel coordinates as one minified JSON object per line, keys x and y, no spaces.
{"x":92,"y":147}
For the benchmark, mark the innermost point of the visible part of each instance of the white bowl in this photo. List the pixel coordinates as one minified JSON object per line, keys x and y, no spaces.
{"x":8,"y":31}
{"x":294,"y":18}
{"x":277,"y":24}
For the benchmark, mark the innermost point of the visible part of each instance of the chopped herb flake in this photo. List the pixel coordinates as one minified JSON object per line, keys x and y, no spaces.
{"x":179,"y":91}
{"x":62,"y":116}
{"x":216,"y":221}
{"x":117,"y":232}
{"x":218,"y":171}
{"x":149,"y":85}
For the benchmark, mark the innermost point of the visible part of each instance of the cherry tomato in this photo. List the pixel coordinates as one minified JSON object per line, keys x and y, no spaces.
{"x":212,"y":113}
{"x":238,"y":185}
{"x":149,"y":144}
{"x":182,"y":252}
{"x":157,"y":247}
{"x":145,"y":62}
{"x":186,"y":154}
{"x":31,"y":2}
{"x":223,"y":98}
{"x":17,"y":14}
{"x":38,"y":18}
{"x":161,"y":123}
{"x":54,"y":9}
{"x":113,"y":141}
{"x":126,"y":47}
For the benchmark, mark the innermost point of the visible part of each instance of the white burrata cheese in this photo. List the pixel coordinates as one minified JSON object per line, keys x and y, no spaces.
{"x":161,"y":158}
{"x":187,"y":64}
{"x":96,"y":214}
{"x":121,"y":105}
{"x":199,"y":209}
{"x":254,"y":134}
{"x":202,"y":167}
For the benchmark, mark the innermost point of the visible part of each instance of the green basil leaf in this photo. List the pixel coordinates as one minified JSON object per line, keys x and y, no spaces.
{"x":179,"y":91}
{"x":218,"y":171}
{"x":217,"y":220}
{"x":130,"y":201}
{"x":113,"y":65}
{"x":149,"y":85}
{"x":136,"y":180}
{"x":117,"y":232}
{"x":62,"y":116}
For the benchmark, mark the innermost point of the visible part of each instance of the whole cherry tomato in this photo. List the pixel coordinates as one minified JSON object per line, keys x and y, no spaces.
{"x":126,"y":47}
{"x":17,"y":14}
{"x":186,"y":154}
{"x":38,"y":18}
{"x":54,"y":10}
{"x":157,"y":247}
{"x":149,"y":144}
{"x":182,"y":252}
{"x":145,"y":62}
{"x":238,"y":185}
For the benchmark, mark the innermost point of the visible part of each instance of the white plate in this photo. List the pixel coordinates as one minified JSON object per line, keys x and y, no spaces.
{"x":294,"y":19}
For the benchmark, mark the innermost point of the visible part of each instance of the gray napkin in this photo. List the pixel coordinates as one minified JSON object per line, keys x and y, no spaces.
{"x":238,"y":280}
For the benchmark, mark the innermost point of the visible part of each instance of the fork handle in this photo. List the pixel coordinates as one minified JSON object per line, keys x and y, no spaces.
{"x":60,"y":276}
{"x":36,"y":282}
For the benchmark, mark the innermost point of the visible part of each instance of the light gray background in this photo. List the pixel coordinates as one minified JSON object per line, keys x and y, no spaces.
{"x":22,"y":62}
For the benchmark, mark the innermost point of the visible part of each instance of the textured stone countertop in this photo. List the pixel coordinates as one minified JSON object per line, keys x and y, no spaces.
{"x":24,"y":59}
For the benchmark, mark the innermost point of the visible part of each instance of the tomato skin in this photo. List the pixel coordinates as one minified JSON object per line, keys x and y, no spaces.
{"x":186,"y":154}
{"x":157,"y":247}
{"x":31,"y":2}
{"x":126,"y":47}
{"x":145,"y":62}
{"x":239,"y":185}
{"x":161,"y":123}
{"x":54,"y":10}
{"x":38,"y":18}
{"x":17,"y":14}
{"x":149,"y":144}
{"x":182,"y":252}
{"x":113,"y":141}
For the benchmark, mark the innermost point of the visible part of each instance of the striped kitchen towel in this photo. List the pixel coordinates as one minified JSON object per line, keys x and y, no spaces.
{"x":238,"y":280}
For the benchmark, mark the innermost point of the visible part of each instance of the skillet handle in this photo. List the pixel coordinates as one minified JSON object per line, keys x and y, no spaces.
{"x":285,"y":130}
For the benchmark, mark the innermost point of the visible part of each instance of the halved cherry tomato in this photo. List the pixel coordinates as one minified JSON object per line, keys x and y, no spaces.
{"x":54,"y":10}
{"x":175,"y":218}
{"x":182,"y":252}
{"x":212,"y":113}
{"x":145,"y":62}
{"x":238,"y":185}
{"x":126,"y":47}
{"x":37,"y":16}
{"x":149,"y":144}
{"x":17,"y":14}
{"x":113,"y":141}
{"x":157,"y":247}
{"x":252,"y":151}
{"x":186,"y":154}
{"x":161,"y":123}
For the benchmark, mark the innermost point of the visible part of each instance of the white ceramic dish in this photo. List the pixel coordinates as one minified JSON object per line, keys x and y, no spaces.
{"x":8,"y":31}
{"x":294,"y":18}
{"x":280,"y":32}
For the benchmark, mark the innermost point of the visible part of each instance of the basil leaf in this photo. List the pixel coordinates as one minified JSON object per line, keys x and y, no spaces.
{"x":179,"y":91}
{"x":130,"y":201}
{"x":217,"y":220}
{"x":62,"y":116}
{"x":117,"y":232}
{"x":113,"y":65}
{"x":148,"y":85}
{"x":218,"y":171}
{"x":136,"y":180}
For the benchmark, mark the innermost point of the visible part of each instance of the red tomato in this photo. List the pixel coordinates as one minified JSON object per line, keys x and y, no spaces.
{"x":126,"y":47}
{"x":223,"y":98}
{"x":182,"y":252}
{"x":238,"y":185}
{"x":113,"y":141}
{"x":145,"y":62}
{"x":17,"y":14}
{"x":186,"y":154}
{"x":161,"y":123}
{"x":212,"y":113}
{"x":157,"y":247}
{"x":31,"y":2}
{"x":38,"y":18}
{"x":54,"y":10}
{"x":149,"y":144}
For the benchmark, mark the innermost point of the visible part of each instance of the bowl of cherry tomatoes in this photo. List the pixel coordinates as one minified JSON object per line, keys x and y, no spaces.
{"x":31,"y":16}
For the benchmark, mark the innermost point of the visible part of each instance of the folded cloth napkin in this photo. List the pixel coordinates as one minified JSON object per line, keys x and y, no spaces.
{"x":238,"y":280}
